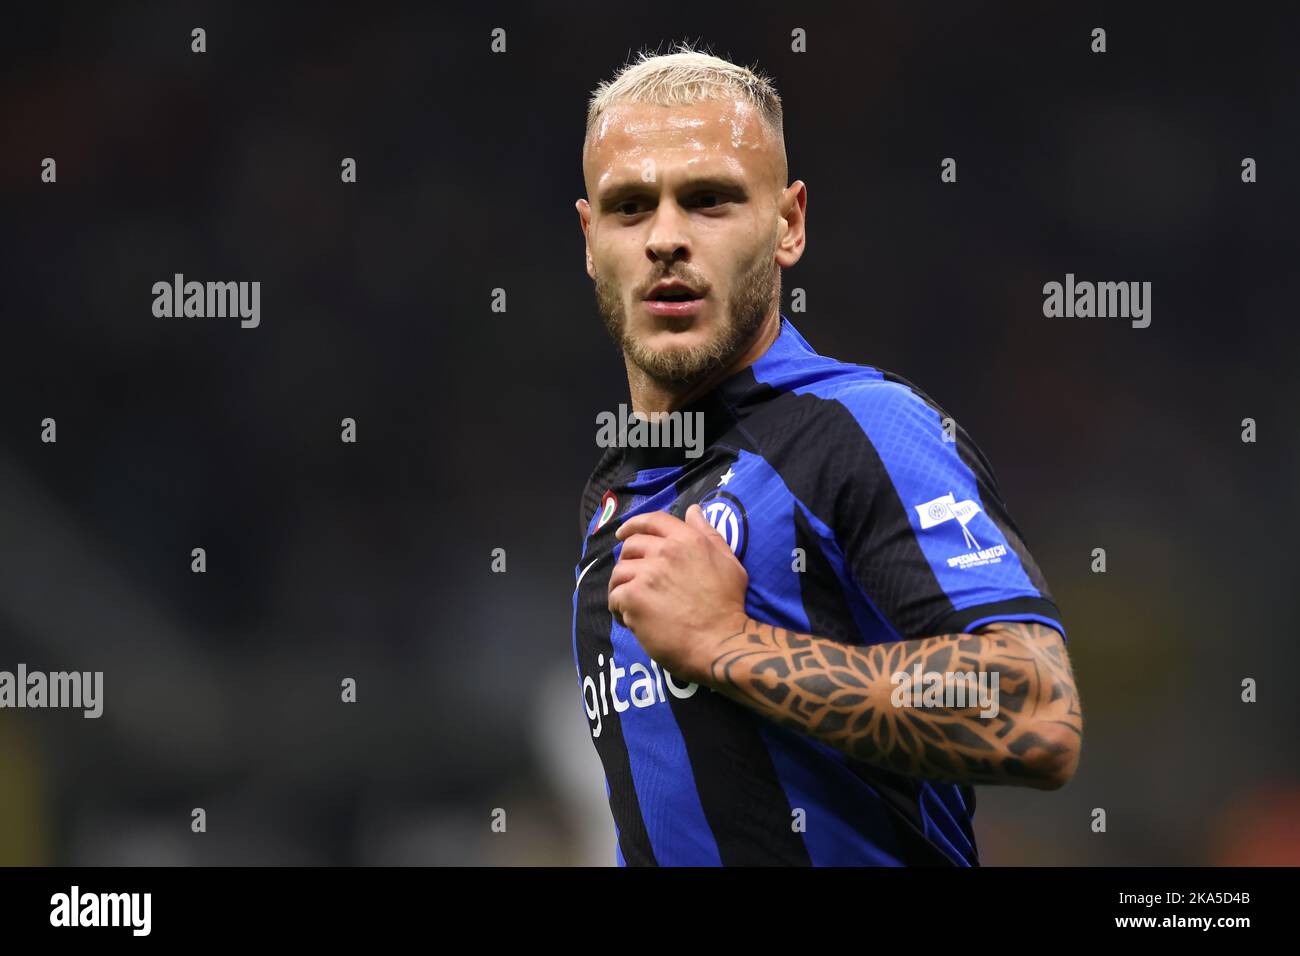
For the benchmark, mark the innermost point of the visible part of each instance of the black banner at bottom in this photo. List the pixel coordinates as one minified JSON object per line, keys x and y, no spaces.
{"x":337,"y":906}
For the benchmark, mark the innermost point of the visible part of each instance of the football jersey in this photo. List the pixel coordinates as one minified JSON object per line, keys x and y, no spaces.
{"x":863,"y":514}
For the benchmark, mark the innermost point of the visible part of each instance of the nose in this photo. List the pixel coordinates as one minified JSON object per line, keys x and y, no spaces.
{"x":668,"y":241}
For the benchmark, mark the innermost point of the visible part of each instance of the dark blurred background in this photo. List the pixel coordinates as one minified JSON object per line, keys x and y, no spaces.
{"x":476,"y":430}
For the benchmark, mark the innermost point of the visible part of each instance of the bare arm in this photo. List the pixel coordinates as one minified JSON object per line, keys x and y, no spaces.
{"x":848,"y":696}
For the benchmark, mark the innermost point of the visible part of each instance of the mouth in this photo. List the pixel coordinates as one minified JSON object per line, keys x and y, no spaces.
{"x":673,"y":300}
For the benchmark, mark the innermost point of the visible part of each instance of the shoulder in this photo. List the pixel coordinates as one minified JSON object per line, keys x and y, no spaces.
{"x":868,"y":392}
{"x":843,"y":441}
{"x":849,"y":410}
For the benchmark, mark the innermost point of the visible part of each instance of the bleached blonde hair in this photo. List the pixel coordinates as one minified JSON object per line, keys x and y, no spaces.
{"x":684,"y":77}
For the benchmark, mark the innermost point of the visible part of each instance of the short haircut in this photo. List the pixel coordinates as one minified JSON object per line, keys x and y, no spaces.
{"x":684,"y":77}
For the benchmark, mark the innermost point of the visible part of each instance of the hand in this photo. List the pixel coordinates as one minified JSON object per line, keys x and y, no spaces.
{"x":679,"y":589}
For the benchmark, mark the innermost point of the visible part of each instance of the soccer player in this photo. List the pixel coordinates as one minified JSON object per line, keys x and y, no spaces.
{"x":805,"y":639}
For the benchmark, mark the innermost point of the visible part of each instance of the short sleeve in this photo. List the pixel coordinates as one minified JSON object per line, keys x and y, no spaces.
{"x":924,"y":530}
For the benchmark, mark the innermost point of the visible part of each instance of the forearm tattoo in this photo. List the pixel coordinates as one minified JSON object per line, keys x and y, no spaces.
{"x":849,"y":697}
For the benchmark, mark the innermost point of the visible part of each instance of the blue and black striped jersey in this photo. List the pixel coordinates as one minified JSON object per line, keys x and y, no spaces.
{"x":862,"y":514}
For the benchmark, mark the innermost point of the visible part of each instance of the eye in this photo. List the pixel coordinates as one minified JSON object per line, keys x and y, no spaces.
{"x":712,"y":200}
{"x":628,"y":207}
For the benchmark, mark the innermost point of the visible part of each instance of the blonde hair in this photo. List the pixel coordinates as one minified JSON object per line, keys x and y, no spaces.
{"x":685,"y":77}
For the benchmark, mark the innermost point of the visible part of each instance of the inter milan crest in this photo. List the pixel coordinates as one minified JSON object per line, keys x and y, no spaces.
{"x":726,"y":515}
{"x":608,"y":508}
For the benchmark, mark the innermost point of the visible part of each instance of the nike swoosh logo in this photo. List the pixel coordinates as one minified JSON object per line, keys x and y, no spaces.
{"x":583,"y":575}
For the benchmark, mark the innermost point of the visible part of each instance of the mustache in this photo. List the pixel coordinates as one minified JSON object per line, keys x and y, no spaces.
{"x":695,"y":282}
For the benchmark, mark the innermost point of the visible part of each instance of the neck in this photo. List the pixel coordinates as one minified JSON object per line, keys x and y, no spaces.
{"x":650,"y":395}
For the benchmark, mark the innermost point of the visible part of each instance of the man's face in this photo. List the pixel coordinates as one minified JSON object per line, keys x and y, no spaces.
{"x":687,"y":193}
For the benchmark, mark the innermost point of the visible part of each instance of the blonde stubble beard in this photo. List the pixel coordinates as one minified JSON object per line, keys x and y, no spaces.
{"x":756,"y":290}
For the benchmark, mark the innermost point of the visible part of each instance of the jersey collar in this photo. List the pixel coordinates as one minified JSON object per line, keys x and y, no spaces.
{"x":723,"y":405}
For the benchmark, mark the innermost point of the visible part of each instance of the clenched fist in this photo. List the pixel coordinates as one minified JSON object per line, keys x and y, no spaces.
{"x":679,"y":589}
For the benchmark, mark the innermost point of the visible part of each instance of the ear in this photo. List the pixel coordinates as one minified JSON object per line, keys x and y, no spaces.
{"x":793,"y":211}
{"x":584,"y":220}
